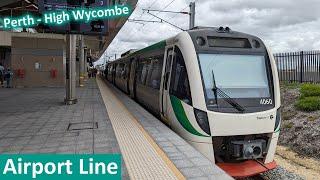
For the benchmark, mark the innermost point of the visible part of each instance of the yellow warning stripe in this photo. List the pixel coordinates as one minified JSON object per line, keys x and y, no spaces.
{"x":160,"y":152}
{"x":155,"y":146}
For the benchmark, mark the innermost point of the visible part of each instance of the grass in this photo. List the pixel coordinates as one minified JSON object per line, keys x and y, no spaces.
{"x":308,"y":90}
{"x":291,"y":85}
{"x":309,"y":98}
{"x":308,"y":103}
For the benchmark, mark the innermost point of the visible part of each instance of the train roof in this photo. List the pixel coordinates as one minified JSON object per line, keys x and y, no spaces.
{"x":218,"y":31}
{"x":194,"y":33}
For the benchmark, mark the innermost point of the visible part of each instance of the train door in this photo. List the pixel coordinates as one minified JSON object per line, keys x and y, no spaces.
{"x":164,"y":93}
{"x":132,"y":77}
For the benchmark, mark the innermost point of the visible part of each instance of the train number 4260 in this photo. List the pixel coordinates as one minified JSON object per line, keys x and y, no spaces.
{"x":265,"y":101}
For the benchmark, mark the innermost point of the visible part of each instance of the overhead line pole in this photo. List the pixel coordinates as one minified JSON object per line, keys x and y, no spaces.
{"x":192,"y":14}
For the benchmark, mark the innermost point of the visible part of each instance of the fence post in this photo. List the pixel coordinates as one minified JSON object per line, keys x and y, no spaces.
{"x":301,"y":66}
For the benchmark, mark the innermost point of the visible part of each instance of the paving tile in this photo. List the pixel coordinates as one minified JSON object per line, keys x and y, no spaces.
{"x":199,"y":178}
{"x":34,"y":120}
{"x":192,"y":172}
{"x":170,"y":149}
{"x":38,"y":124}
{"x":200,"y":161}
{"x":187,"y":159}
{"x":182,"y":163}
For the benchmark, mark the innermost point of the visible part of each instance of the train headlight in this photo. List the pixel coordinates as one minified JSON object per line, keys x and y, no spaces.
{"x":278,"y":120}
{"x":202,"y":120}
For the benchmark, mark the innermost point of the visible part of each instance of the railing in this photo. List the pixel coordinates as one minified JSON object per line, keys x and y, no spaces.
{"x":300,"y":67}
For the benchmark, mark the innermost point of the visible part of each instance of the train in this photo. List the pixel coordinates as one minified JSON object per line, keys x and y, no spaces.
{"x":216,"y":88}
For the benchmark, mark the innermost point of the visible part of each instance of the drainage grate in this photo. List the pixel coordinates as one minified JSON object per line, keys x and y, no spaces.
{"x":82,"y":126}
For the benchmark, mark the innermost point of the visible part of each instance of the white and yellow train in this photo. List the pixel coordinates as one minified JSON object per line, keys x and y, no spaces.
{"x":216,"y":88}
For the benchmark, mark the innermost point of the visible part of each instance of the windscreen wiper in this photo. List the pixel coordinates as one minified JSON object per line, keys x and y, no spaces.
{"x":217,"y":91}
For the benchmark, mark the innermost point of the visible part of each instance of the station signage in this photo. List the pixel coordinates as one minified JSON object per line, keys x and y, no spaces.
{"x":74,"y":17}
{"x":45,"y":166}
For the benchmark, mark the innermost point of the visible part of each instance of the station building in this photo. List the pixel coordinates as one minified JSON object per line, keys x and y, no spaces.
{"x":37,"y":60}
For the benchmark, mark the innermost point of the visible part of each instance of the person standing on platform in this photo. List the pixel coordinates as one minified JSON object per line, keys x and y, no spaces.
{"x":95,"y":72}
{"x":8,"y":77}
{"x":89,"y":73}
{"x":1,"y":74}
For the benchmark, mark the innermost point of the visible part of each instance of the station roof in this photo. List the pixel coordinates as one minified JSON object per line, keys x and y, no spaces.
{"x":17,"y":7}
{"x":97,"y":44}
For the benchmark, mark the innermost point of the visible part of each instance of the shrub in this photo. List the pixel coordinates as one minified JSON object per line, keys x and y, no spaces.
{"x":312,"y":118}
{"x":308,"y":90}
{"x":308,"y":103}
{"x":287,"y":115}
{"x":288,"y":125}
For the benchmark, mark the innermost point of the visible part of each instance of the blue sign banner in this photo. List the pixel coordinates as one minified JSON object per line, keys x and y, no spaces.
{"x":49,"y":166}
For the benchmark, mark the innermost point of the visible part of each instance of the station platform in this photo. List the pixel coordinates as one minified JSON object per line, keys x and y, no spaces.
{"x":103,"y":121}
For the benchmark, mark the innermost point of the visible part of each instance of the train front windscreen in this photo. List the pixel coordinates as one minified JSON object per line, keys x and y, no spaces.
{"x":236,"y":83}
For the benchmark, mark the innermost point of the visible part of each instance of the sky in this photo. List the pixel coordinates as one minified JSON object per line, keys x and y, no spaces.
{"x":284,"y":25}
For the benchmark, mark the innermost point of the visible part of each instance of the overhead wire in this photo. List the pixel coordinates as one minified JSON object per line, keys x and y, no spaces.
{"x":173,"y":15}
{"x":135,"y":31}
{"x":165,"y":7}
{"x":130,"y":34}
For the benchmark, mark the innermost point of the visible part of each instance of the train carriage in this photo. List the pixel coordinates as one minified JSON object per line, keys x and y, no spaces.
{"x":216,"y":88}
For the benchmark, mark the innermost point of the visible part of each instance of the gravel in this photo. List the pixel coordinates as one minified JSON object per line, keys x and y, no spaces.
{"x":280,"y":174}
{"x":299,"y":130}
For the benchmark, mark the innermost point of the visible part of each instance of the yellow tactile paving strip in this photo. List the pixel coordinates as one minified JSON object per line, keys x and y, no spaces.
{"x":143,"y":157}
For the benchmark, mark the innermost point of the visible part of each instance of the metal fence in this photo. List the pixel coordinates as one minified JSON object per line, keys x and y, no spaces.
{"x":300,"y":67}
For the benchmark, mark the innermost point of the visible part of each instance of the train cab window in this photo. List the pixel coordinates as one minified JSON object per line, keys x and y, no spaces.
{"x":179,"y":83}
{"x":154,"y":75}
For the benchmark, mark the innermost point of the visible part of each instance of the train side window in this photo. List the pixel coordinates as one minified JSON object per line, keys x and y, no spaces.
{"x":118,"y":70}
{"x":115,"y":69}
{"x":124,"y":71}
{"x":110,"y":70}
{"x":154,"y":76}
{"x":142,"y":72}
{"x":179,"y":83}
{"x":138,"y":72}
{"x":127,"y":70}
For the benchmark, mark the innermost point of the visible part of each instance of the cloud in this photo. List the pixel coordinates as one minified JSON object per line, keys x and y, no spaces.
{"x":284,"y":25}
